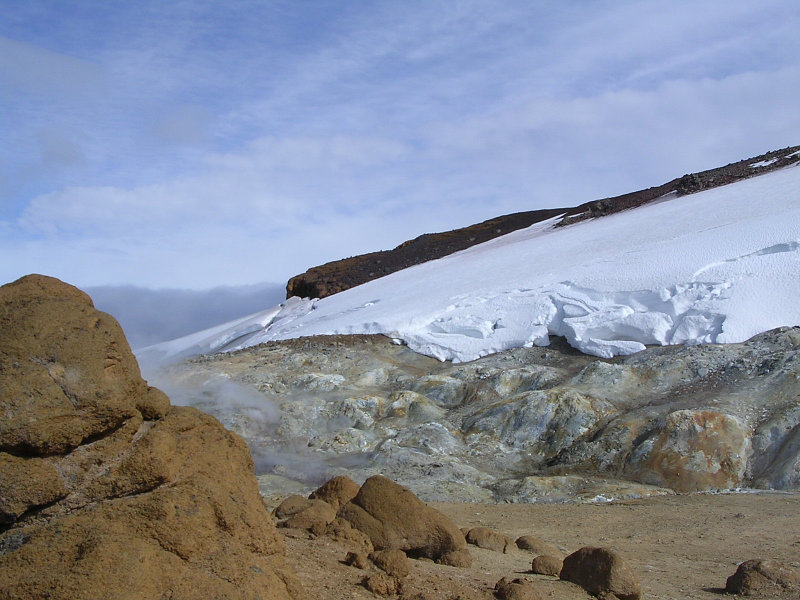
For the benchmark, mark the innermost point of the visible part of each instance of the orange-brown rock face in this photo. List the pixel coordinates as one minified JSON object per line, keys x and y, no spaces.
{"x":106,"y":490}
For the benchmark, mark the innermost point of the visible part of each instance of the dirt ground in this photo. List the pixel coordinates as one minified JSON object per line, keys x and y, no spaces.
{"x":681,"y":547}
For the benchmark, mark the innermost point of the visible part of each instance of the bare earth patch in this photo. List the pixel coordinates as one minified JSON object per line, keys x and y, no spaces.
{"x":682,"y":546}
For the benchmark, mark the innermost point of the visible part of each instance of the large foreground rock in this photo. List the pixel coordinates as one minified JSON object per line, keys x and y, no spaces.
{"x":105,"y":490}
{"x":764,"y":578}
{"x":393,"y":517}
{"x":601,"y":571}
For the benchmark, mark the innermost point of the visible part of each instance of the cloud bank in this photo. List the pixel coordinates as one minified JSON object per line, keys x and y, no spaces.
{"x":201,"y":144}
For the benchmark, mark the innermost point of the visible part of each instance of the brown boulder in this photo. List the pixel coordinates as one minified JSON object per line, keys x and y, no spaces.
{"x":483,"y":537}
{"x":537,"y":546}
{"x":394,"y":562}
{"x":601,"y":571}
{"x":358,"y":560}
{"x":291,"y":506}
{"x":517,"y":589}
{"x":393,"y":517}
{"x":457,"y":558}
{"x":382,"y":584}
{"x":105,"y":490}
{"x":342,"y":532}
{"x":764,"y":577}
{"x":315,"y":517}
{"x":547,"y":565}
{"x":336,"y":492}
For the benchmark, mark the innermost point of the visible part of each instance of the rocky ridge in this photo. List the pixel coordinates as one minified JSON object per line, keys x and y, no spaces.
{"x":106,"y":490}
{"x":525,"y":425}
{"x":336,"y":276}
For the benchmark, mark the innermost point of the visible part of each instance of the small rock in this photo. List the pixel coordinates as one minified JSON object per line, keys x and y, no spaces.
{"x":394,"y":562}
{"x":518,"y":589}
{"x":601,"y":570}
{"x":358,"y":560}
{"x":547,"y":565}
{"x":382,"y":584}
{"x":457,"y":558}
{"x":483,"y":537}
{"x":336,"y":492}
{"x":763,"y":576}
{"x":536,"y":545}
{"x":340,"y":531}
{"x":315,"y":517}
{"x":290,"y":506}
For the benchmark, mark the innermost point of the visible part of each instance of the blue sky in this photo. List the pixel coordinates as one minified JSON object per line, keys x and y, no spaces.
{"x":195,"y":144}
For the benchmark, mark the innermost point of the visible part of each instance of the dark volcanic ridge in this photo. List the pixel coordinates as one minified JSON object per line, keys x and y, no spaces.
{"x":337,"y":276}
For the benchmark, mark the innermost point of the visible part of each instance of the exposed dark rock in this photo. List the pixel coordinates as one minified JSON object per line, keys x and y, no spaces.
{"x":337,"y":276}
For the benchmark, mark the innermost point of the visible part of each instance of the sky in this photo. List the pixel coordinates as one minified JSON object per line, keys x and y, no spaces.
{"x":207,"y":143}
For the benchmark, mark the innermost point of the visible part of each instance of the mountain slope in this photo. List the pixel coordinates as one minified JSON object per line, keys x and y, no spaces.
{"x":333,"y":277}
{"x":720,"y":265}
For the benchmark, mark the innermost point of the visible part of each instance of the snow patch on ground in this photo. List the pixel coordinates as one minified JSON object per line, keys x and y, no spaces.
{"x":718,"y":266}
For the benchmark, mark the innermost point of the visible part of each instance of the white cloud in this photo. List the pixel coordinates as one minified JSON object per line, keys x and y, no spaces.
{"x":179,"y":141}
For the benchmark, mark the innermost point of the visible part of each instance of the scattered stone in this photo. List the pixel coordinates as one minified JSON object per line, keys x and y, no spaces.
{"x":291,"y":506}
{"x":382,"y":584}
{"x":457,"y":558}
{"x":125,"y":496}
{"x":764,"y":577}
{"x":545,"y":564}
{"x":601,"y":570}
{"x":536,"y":545}
{"x":517,"y":589}
{"x":357,"y":559}
{"x":483,"y":537}
{"x":393,"y":517}
{"x":336,"y":492}
{"x":342,"y":532}
{"x":316,"y":516}
{"x":394,"y":562}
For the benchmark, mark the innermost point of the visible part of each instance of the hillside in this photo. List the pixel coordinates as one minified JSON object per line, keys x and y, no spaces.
{"x":336,"y":276}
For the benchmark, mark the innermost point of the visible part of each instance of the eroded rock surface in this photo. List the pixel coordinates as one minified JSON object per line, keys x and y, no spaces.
{"x":105,"y":490}
{"x":525,"y":425}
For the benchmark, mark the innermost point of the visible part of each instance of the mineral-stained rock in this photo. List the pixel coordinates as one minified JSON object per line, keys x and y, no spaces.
{"x":536,"y":545}
{"x":336,"y":492}
{"x":393,"y":517}
{"x":599,"y":571}
{"x":693,"y":450}
{"x":394,"y":562}
{"x":125,"y":496}
{"x":517,"y":589}
{"x":764,"y":577}
{"x":545,"y":564}
{"x":483,"y":537}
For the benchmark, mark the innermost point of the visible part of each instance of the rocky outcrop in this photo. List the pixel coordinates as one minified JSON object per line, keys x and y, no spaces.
{"x":339,"y":275}
{"x":394,"y":518}
{"x":333,"y":277}
{"x":525,"y":425}
{"x":105,"y":489}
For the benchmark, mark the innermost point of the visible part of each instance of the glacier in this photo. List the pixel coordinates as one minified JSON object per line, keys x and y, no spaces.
{"x":718,"y":266}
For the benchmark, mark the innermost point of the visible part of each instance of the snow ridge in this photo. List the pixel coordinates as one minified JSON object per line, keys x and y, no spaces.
{"x":717,"y":266}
